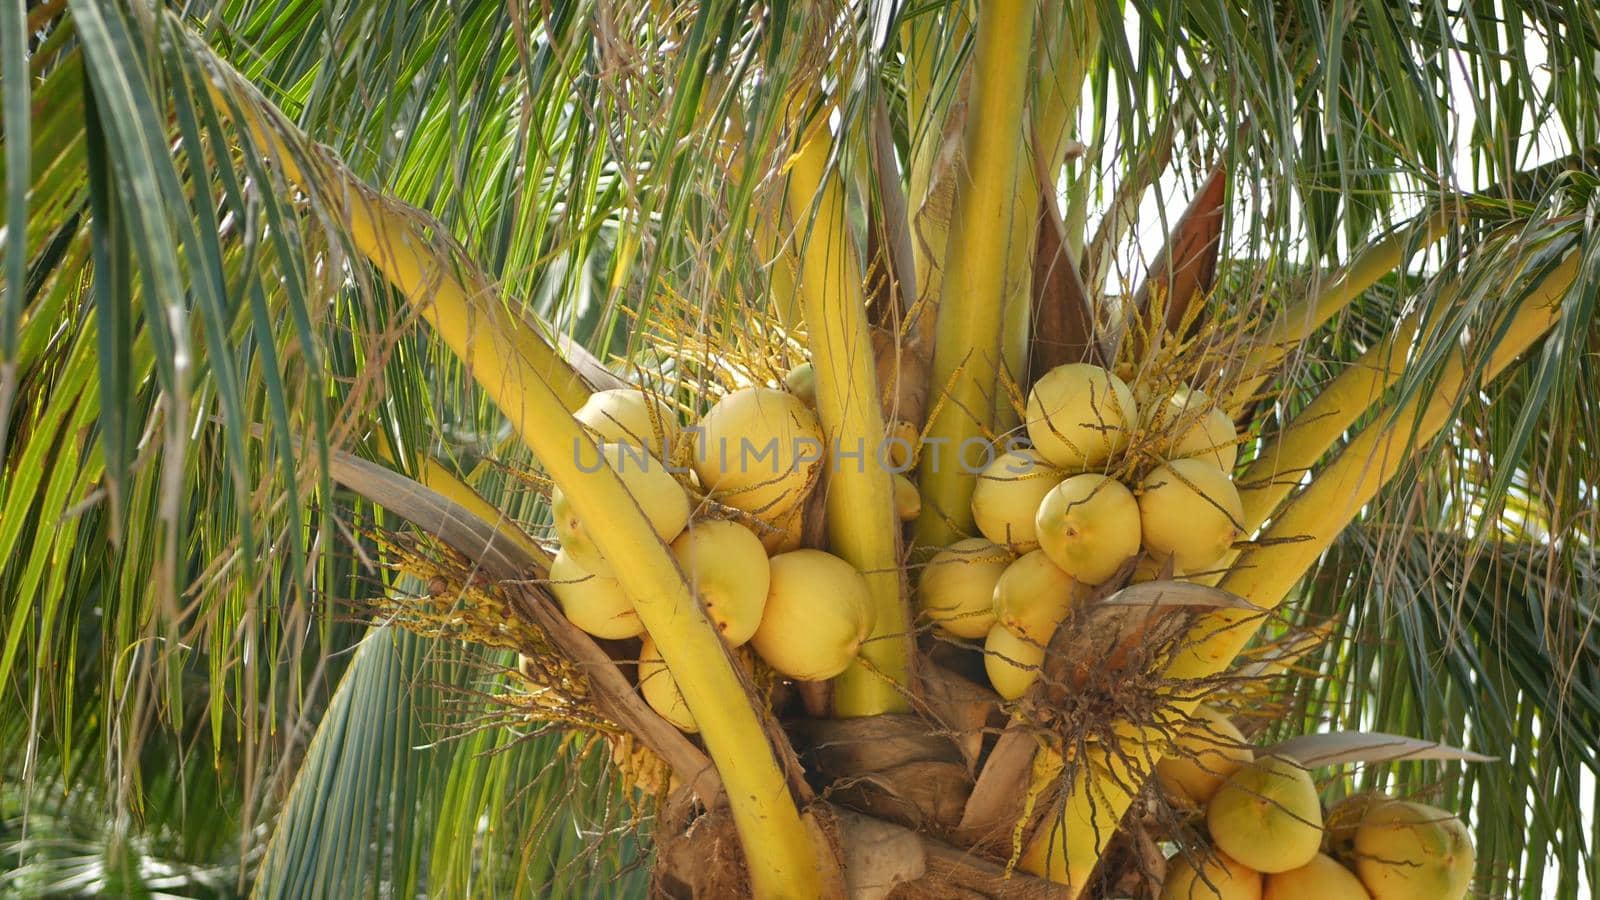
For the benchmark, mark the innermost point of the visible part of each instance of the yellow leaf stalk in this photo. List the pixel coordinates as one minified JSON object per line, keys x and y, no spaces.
{"x":862,"y":525}
{"x":967,"y":352}
{"x":536,"y":391}
{"x":1326,"y":296}
{"x":1299,"y":534}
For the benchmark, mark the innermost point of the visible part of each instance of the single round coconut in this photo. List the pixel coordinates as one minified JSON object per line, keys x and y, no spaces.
{"x":907,"y":501}
{"x":1218,"y":877}
{"x":630,"y":416}
{"x":727,"y":567}
{"x":759,"y":450}
{"x":1189,"y":510}
{"x":1079,"y":415}
{"x":801,"y":381}
{"x":1207,"y":751}
{"x":900,"y":445}
{"x":1033,"y":595}
{"x":1343,"y":819}
{"x":956,"y":589}
{"x":660,"y":690}
{"x":1321,"y":879}
{"x":1267,"y":815}
{"x":782,"y":533}
{"x":1089,"y":526}
{"x":1006,"y":498}
{"x":1411,"y":851}
{"x":660,"y":498}
{"x":1012,"y":662}
{"x":819,"y":610}
{"x":1193,"y":426}
{"x":1149,"y":568}
{"x":595,"y":603}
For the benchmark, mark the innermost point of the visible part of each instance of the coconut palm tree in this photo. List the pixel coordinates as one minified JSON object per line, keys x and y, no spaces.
{"x":300,"y":299}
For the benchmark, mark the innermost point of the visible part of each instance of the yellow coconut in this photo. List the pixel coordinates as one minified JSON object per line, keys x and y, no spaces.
{"x":801,"y":381}
{"x":907,"y":501}
{"x":1189,"y":510}
{"x":1012,"y":662}
{"x":658,"y":494}
{"x":1033,"y":595}
{"x":1219,"y":877}
{"x":759,"y":450}
{"x":900,"y":445}
{"x":956,"y":589}
{"x":1089,"y":526}
{"x":660,"y":690}
{"x":1267,"y":815}
{"x":630,"y":416}
{"x":594,"y":603}
{"x":1194,"y":426}
{"x":1079,"y":415}
{"x":727,"y":567}
{"x":1207,"y":751}
{"x":1006,"y":498}
{"x":1148,"y":568}
{"x":1343,"y":819}
{"x":783,"y":533}
{"x":1411,"y":851}
{"x":1321,"y":879}
{"x":819,"y":610}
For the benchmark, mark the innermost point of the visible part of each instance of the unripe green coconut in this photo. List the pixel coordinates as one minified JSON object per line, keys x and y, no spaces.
{"x":1033,"y":595}
{"x":759,"y":450}
{"x":1079,"y":415}
{"x":801,"y":381}
{"x":594,"y":603}
{"x":1196,"y":427}
{"x":1411,"y":851}
{"x":819,"y":610}
{"x":727,"y":567}
{"x":660,"y":498}
{"x":1267,"y":815}
{"x":1006,"y":498}
{"x":1189,"y":510}
{"x":1207,"y":752}
{"x":1012,"y":662}
{"x":1321,"y":879}
{"x":1219,"y":877}
{"x":956,"y":589}
{"x":1089,"y":526}
{"x":660,"y":690}
{"x":630,"y":416}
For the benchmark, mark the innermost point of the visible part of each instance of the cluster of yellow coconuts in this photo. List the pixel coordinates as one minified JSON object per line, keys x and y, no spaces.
{"x":1054,"y":526}
{"x":1272,"y":839}
{"x":731,"y":517}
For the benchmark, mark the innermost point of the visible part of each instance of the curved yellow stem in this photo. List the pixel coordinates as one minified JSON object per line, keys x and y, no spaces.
{"x":967,"y":352}
{"x":535,"y":390}
{"x":862,"y":526}
{"x":1326,"y":296}
{"x":1303,"y":529}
